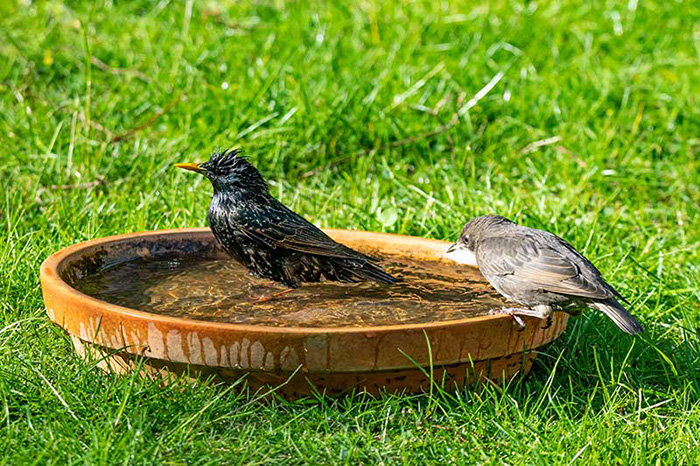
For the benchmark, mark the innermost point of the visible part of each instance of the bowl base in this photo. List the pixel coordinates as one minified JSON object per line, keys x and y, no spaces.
{"x":299,"y":384}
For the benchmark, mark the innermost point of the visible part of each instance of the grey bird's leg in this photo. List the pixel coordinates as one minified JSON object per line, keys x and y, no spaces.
{"x":541,"y":311}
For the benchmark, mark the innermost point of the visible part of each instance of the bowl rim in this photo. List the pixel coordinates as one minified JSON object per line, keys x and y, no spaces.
{"x":52,"y":281}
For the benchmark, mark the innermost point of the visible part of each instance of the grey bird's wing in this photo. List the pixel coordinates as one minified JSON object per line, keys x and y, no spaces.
{"x":275,"y":225}
{"x":534,"y":263}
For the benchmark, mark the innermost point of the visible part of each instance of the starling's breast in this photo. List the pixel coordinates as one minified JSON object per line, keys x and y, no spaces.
{"x":222,"y":221}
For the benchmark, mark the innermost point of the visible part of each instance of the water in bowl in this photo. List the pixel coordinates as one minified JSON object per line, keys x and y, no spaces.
{"x":220,"y":290}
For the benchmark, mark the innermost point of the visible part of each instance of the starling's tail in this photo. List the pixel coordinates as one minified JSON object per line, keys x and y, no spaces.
{"x":372,"y":272}
{"x":346,"y":270}
{"x":619,"y":315}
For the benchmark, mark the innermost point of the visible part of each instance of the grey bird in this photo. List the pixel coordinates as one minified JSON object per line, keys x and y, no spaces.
{"x":537,"y":270}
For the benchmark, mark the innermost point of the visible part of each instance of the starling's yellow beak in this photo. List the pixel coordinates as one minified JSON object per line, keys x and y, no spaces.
{"x":195,"y":167}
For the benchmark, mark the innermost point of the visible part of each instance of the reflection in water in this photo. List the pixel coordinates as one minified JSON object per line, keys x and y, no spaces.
{"x":221,"y":290}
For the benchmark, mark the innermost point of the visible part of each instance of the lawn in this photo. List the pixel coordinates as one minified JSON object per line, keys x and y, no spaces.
{"x":581,"y":118}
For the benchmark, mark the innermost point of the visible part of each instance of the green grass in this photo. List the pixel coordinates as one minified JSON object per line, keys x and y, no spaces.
{"x":361,"y":115}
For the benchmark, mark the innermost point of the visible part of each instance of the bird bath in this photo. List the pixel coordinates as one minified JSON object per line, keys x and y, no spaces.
{"x":173,"y":299}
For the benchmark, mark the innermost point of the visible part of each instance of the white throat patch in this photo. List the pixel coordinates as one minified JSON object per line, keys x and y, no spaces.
{"x":462,"y":256}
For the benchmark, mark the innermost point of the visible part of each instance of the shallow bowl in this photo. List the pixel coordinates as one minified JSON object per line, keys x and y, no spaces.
{"x":296,"y":360}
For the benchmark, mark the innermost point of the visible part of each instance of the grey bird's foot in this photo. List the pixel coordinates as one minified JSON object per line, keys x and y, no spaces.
{"x":516,"y":312}
{"x":519,"y":322}
{"x":548,"y":322}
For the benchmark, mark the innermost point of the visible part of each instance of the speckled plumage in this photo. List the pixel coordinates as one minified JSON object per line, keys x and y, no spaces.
{"x":537,"y":269}
{"x":272,"y":241}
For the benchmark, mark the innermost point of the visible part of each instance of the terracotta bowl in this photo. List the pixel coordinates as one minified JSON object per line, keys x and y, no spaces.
{"x":302,"y":360}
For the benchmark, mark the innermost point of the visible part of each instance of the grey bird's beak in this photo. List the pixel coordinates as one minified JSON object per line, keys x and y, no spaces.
{"x":462,"y":255}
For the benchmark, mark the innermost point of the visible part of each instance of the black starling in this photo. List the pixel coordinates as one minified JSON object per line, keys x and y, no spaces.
{"x":538,"y":270}
{"x":272,"y":241}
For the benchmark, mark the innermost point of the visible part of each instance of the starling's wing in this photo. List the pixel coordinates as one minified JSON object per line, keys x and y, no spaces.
{"x":274,"y":225}
{"x":541,"y":266}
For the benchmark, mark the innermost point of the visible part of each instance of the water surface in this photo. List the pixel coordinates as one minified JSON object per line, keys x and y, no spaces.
{"x":220,"y":290}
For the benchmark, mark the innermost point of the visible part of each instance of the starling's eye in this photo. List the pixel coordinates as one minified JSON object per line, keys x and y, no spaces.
{"x":465,"y":239}
{"x":211,"y":168}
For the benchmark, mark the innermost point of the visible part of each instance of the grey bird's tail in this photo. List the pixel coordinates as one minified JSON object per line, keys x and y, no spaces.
{"x":619,"y":315}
